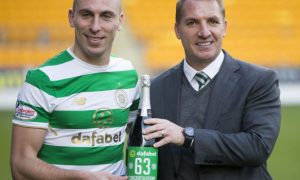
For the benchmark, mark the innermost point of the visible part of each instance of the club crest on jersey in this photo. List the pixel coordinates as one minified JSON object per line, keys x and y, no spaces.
{"x":121,"y":98}
{"x":24,"y":112}
{"x":102,"y":118}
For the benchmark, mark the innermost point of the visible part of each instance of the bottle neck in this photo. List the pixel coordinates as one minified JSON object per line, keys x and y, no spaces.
{"x":145,"y":101}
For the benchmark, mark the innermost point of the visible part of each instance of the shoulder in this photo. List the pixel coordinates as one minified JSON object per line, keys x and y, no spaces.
{"x":39,"y":77}
{"x":121,"y":63}
{"x":123,"y":68}
{"x":253,"y":71}
{"x":257,"y":79}
{"x":38,"y":74}
{"x":42,"y":72}
{"x":170,"y":73}
{"x":60,"y":58}
{"x":248,"y":70}
{"x":36,"y":77}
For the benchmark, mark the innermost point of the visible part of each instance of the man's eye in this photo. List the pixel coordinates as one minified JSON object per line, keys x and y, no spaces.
{"x":190,"y":23}
{"x":85,"y":14}
{"x":107,"y":16}
{"x":214,"y":22}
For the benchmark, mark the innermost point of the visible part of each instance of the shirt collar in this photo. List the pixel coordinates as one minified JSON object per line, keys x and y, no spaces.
{"x":211,"y":70}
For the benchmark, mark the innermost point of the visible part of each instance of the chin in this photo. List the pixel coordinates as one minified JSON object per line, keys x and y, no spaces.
{"x":205,"y":58}
{"x":96,"y":51}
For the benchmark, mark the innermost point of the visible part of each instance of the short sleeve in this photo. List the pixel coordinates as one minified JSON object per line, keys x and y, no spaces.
{"x":34,"y":103}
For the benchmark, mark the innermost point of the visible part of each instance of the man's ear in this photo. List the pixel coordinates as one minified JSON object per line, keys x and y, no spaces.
{"x":225,"y":28}
{"x":177,"y":31}
{"x":71,"y":17}
{"x":121,"y":18}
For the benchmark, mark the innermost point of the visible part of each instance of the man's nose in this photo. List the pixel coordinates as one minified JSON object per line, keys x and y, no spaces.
{"x":204,"y":30}
{"x":95,"y":25}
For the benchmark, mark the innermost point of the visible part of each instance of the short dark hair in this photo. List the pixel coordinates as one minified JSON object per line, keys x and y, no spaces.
{"x":180,"y":3}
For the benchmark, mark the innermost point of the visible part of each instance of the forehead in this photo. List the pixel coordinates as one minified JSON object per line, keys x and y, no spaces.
{"x":98,"y":5}
{"x":201,"y":8}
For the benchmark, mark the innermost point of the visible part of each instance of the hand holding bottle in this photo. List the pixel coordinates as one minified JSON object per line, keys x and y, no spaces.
{"x":164,"y":130}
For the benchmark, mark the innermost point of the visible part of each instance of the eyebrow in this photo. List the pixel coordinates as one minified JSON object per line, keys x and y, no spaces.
{"x":216,"y":17}
{"x":102,"y":12}
{"x":190,"y":19}
{"x":208,"y":17}
{"x":108,"y":12}
{"x":84,"y":10}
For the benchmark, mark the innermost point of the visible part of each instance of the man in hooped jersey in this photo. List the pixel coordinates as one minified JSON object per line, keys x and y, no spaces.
{"x":72,"y":111}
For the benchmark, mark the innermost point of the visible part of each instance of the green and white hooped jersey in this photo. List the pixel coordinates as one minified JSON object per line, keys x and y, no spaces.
{"x":85,"y":109}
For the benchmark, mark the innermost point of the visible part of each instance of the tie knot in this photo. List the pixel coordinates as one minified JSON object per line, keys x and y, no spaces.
{"x":201,"y":78}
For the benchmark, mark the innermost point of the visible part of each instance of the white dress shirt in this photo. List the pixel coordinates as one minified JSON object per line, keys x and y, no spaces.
{"x":211,"y":70}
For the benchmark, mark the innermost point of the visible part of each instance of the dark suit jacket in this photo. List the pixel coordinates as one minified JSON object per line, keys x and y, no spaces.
{"x":241,"y":123}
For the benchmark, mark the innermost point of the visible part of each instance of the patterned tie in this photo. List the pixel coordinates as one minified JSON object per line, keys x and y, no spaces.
{"x":202,"y":79}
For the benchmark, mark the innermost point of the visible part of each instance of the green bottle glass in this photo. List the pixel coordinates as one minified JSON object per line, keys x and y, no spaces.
{"x":142,"y":157}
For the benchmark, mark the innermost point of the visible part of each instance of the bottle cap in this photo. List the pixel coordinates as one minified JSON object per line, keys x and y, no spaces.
{"x":145,"y":80}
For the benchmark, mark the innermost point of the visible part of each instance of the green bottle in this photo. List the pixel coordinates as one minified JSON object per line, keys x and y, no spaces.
{"x":141,"y":155}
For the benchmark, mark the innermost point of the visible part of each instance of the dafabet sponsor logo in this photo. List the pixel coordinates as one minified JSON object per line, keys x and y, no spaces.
{"x":96,"y":139}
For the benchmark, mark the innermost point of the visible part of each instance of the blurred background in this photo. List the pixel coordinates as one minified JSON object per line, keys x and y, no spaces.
{"x":261,"y":32}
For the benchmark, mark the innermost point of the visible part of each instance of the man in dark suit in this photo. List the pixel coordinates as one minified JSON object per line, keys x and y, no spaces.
{"x":215,"y":117}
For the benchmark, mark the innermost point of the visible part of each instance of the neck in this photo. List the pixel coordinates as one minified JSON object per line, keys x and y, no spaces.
{"x":101,"y":60}
{"x":198,"y":65}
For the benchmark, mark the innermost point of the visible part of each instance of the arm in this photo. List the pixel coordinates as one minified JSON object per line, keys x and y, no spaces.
{"x":250,"y":145}
{"x":26,"y":143}
{"x":259,"y":128}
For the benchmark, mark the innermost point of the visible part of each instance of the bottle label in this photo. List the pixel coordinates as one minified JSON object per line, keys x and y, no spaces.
{"x":142,"y":163}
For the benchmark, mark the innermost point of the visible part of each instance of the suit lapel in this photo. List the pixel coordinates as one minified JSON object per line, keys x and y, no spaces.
{"x":172,"y":104}
{"x":227,"y":79}
{"x":172,"y":93}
